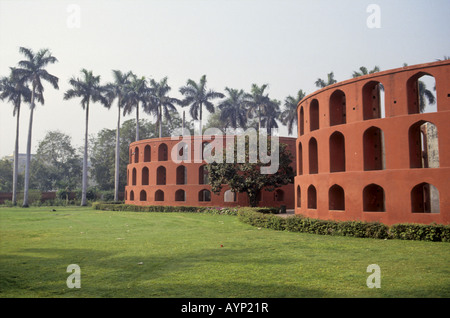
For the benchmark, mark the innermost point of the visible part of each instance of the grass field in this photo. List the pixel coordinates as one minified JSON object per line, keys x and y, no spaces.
{"x":187,"y":255}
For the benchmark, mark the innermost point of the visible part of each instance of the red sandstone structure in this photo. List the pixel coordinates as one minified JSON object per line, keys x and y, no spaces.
{"x":153,"y":178}
{"x":358,"y":161}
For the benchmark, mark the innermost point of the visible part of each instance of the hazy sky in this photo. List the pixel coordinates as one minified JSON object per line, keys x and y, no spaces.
{"x":287,"y":44}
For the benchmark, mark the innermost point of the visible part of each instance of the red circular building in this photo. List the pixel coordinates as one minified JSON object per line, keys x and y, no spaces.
{"x":366,"y":151}
{"x":161,"y":172}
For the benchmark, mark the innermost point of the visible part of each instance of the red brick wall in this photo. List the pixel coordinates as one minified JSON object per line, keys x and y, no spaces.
{"x":363,"y":153}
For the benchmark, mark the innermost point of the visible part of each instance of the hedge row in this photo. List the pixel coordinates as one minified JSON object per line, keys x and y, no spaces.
{"x":265,"y":218}
{"x":161,"y":208}
{"x":432,"y":232}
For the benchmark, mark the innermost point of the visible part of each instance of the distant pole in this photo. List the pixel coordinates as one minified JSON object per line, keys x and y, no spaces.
{"x":184,"y":116}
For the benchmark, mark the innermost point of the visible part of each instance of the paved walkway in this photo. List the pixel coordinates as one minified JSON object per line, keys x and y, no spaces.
{"x":289,"y":212}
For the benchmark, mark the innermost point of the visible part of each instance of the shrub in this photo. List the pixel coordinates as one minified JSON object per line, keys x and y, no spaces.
{"x":425,"y":232}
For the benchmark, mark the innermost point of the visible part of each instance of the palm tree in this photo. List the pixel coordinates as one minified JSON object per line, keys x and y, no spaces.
{"x":425,"y":95}
{"x":89,"y":89}
{"x":363,"y":71}
{"x":118,"y":89}
{"x":289,"y":115}
{"x":270,"y":115}
{"x":15,"y":92}
{"x":196,"y":96}
{"x":160,"y":103}
{"x":330,"y":80}
{"x":257,"y":102}
{"x":233,"y":108}
{"x":32,"y":70}
{"x":137,"y":93}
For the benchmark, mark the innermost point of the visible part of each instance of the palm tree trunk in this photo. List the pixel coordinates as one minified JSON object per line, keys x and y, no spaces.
{"x":27,"y":164}
{"x":84,"y":182}
{"x":259,"y":119}
{"x":137,"y":121}
{"x":116,"y":178}
{"x":160,"y":120}
{"x":16,"y":160}
{"x":200,"y":123}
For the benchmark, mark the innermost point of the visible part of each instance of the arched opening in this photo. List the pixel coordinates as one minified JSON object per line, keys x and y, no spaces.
{"x":131,"y":195}
{"x":312,"y":197}
{"x":313,"y":158}
{"x":181,"y":175}
{"x":204,"y":195}
{"x":133,"y":177}
{"x":314,"y":115}
{"x":278,"y":196}
{"x":143,"y":196}
{"x":425,"y":198}
{"x":373,"y":101}
{"x":423,"y":145}
{"x":162,"y":152}
{"x":421,"y":93}
{"x":159,"y":195}
{"x":182,"y":151}
{"x":373,"y":198}
{"x":336,"y":198}
{"x":161,"y":175}
{"x":204,"y":144}
{"x":203,"y":175}
{"x":299,"y":197}
{"x":301,"y":122}
{"x":337,"y":108}
{"x":136,"y":155}
{"x":337,"y":152}
{"x":300,"y":159}
{"x":180,"y":195}
{"x":229,"y":196}
{"x":373,"y":147}
{"x":126,"y":195}
{"x":131,"y":156}
{"x":145,"y":176}
{"x":147,"y":154}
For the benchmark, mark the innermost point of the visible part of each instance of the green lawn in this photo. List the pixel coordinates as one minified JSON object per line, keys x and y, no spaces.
{"x":130,"y":254}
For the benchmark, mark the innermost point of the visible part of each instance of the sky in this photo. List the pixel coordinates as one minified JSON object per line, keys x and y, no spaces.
{"x":287,"y":44}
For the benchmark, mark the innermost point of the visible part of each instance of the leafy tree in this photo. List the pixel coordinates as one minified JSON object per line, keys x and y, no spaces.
{"x":89,"y":89}
{"x":6,"y":176}
{"x":247,"y":178}
{"x":196,"y":96}
{"x":289,"y":114}
{"x":118,"y":90}
{"x":160,"y":103}
{"x":320,"y":83}
{"x":56,"y":164}
{"x":15,"y":92}
{"x":364,"y":71}
{"x":32,"y":70}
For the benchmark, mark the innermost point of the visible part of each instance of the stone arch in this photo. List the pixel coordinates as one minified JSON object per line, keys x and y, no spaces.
{"x":373,"y":198}
{"x":163,"y":152}
{"x":337,"y":152}
{"x":423,"y":145}
{"x":161,"y":175}
{"x":373,"y":148}
{"x":336,"y":198}
{"x":338,"y":111}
